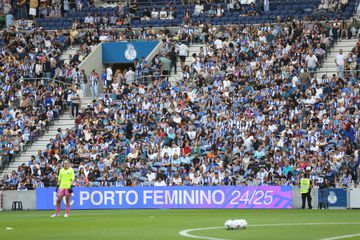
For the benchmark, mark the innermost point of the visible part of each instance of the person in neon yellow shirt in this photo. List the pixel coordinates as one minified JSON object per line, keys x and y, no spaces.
{"x":64,"y":188}
{"x":305,"y":190}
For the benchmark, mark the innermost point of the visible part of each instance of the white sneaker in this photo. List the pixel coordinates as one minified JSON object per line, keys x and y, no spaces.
{"x":66,"y":215}
{"x":55,"y":215}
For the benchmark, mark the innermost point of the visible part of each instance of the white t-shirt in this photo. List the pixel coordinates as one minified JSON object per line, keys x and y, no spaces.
{"x":151,"y":176}
{"x":311,"y":61}
{"x":215,"y":180}
{"x":294,"y":81}
{"x":109,"y":74}
{"x":196,"y":180}
{"x":319,"y":92}
{"x":248,"y":142}
{"x":130,"y":76}
{"x":114,"y":85}
{"x":197,"y":66}
{"x":160,"y":184}
{"x":218,"y":44}
{"x":89,"y":19}
{"x":191,"y":134}
{"x":103,"y":38}
{"x":340,"y":60}
{"x":177,"y":119}
{"x":198,"y":9}
{"x":177,"y":181}
{"x":163,"y":14}
{"x":154,"y":14}
{"x":38,"y":68}
{"x":183,"y":50}
{"x":227,"y":83}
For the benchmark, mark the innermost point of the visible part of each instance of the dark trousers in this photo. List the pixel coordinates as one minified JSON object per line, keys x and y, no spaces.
{"x":305,"y":196}
{"x":323,"y":198}
{"x":75,"y":109}
{"x":166,"y":73}
{"x":173,"y":65}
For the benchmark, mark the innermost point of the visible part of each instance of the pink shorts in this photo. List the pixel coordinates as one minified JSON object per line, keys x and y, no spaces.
{"x":63,"y":192}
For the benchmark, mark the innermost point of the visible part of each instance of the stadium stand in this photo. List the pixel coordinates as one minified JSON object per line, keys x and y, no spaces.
{"x":253,"y":107}
{"x":174,"y":14}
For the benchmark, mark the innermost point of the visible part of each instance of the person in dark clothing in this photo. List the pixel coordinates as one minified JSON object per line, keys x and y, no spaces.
{"x":47,"y":71}
{"x":172,"y":56}
{"x":353,"y":166}
{"x":75,"y":59}
{"x":128,"y":130}
{"x":72,"y":5}
{"x":323,"y":185}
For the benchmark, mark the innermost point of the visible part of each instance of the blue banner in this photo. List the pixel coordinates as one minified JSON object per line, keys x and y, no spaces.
{"x":171,"y":197}
{"x":126,"y":52}
{"x":334,"y":197}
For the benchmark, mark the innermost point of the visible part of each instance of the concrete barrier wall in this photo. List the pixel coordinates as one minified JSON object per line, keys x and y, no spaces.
{"x":93,"y":61}
{"x":153,"y":52}
{"x":296,"y":198}
{"x":28,"y":199}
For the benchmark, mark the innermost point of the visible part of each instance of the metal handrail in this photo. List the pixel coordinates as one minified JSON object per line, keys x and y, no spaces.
{"x":177,"y":78}
{"x":326,"y":71}
{"x":144,"y":2}
{"x":48,"y":79}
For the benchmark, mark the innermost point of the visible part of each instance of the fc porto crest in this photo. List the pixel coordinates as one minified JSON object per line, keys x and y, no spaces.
{"x":130,"y":52}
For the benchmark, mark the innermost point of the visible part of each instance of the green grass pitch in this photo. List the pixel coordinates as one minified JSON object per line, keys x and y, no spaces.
{"x":166,"y":224}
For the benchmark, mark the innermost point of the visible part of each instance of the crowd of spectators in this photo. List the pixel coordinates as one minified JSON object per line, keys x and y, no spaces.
{"x":170,"y":11}
{"x":85,"y":14}
{"x":124,"y":12}
{"x":332,"y":5}
{"x":249,"y":111}
{"x":24,"y":9}
{"x":29,"y":101}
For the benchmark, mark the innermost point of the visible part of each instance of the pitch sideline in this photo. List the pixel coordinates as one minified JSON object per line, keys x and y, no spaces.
{"x":342,"y":237}
{"x":186,"y":232}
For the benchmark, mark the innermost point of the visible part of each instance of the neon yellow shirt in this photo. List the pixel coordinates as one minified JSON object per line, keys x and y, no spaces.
{"x":304,"y":185}
{"x":66,"y":178}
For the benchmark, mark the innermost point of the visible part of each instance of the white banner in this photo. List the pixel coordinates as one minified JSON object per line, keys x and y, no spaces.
{"x":355,"y":198}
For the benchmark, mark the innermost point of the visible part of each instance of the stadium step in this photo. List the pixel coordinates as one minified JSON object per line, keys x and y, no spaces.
{"x":86,"y":101}
{"x":68,"y":52}
{"x":347,"y":42}
{"x":329,"y":66}
{"x":194,"y":48}
{"x":64,"y":122}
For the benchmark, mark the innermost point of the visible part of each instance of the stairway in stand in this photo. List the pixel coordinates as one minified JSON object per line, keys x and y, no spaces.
{"x":329,"y":66}
{"x":64,"y":122}
{"x":70,"y":51}
{"x":194,"y":48}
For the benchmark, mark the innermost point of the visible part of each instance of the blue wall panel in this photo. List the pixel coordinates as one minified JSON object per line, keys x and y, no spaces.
{"x":126,"y":52}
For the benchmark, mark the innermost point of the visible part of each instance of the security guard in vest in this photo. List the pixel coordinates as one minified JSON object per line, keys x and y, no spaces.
{"x":305,"y":190}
